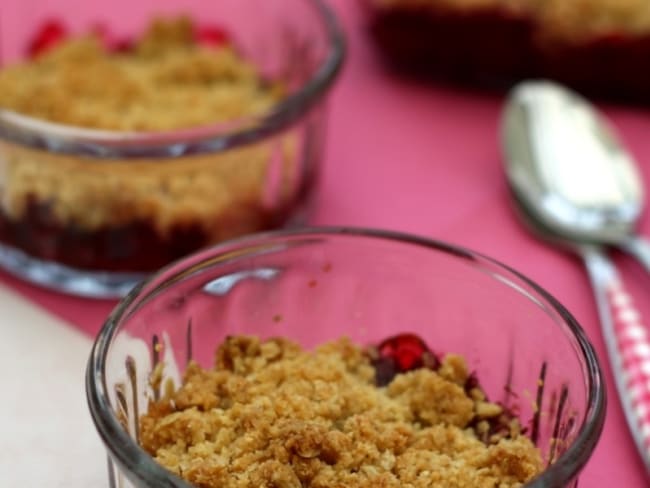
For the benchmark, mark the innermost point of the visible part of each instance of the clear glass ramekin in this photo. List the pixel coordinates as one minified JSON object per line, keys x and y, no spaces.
{"x":92,"y":212}
{"x":317,"y":285}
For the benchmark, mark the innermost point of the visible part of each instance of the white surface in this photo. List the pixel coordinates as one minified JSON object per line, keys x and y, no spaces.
{"x":47,"y":438}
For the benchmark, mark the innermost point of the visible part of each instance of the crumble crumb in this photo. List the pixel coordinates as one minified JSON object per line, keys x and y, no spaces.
{"x":273,"y":414}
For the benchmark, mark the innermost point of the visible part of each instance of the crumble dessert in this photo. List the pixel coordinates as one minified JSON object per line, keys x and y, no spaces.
{"x":137,"y":215}
{"x":594,"y":45}
{"x":272,"y":414}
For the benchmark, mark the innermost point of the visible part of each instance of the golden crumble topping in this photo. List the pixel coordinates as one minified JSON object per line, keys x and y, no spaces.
{"x":273,"y":414}
{"x":167,"y":81}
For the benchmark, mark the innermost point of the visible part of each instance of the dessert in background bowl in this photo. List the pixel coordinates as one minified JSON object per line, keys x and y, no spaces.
{"x":123,"y":149}
{"x":594,"y":46}
{"x":342,"y":357}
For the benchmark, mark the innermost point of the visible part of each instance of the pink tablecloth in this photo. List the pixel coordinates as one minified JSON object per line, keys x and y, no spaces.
{"x":425,"y":159}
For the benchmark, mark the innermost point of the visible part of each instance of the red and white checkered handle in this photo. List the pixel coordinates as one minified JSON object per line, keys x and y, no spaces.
{"x":628,"y":345}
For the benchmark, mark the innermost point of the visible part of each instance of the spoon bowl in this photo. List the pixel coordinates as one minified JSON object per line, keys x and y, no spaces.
{"x":587,"y":188}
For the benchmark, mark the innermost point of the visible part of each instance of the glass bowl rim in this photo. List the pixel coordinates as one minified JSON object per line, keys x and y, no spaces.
{"x":145,"y":472}
{"x":106,"y":145}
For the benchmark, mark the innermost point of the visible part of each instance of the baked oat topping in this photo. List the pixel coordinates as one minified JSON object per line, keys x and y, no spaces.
{"x":168,"y":80}
{"x":272,"y":414}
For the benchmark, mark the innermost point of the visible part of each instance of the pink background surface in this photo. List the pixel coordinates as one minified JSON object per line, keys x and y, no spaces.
{"x":425,"y":159}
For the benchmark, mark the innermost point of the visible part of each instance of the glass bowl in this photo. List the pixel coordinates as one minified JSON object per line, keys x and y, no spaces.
{"x":317,"y":285}
{"x":91,"y":212}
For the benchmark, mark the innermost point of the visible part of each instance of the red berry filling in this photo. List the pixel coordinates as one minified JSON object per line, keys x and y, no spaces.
{"x":51,"y":33}
{"x":211,"y":36}
{"x":399,"y":354}
{"x":406,"y":352}
{"x":406,"y":349}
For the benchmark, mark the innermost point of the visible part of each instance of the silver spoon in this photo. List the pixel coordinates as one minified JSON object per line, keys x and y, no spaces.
{"x":576,"y":187}
{"x":571,"y":166}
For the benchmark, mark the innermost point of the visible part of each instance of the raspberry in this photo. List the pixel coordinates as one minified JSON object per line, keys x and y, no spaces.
{"x":211,"y":36}
{"x":408,"y":351}
{"x":51,"y":33}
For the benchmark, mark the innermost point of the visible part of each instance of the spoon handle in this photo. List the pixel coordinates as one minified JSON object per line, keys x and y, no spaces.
{"x":627,"y":345}
{"x":639,"y":248}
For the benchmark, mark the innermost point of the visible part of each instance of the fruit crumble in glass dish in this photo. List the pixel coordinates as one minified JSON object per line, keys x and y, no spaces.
{"x":344,"y":357}
{"x":595,"y":46}
{"x":123,"y":150}
{"x":271,"y":414}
